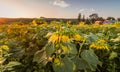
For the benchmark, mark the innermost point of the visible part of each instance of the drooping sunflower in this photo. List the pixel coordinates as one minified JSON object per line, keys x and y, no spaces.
{"x":99,"y":45}
{"x":56,"y":38}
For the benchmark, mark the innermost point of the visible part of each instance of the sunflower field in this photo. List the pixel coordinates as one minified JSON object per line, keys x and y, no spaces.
{"x":59,"y":47}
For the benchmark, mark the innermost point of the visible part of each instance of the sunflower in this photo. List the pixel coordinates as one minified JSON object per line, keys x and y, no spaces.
{"x":99,"y":47}
{"x":65,"y":38}
{"x":77,"y":37}
{"x":54,"y":38}
{"x":101,"y":41}
{"x":4,"y":47}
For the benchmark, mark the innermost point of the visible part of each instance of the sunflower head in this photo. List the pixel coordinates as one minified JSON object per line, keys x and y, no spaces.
{"x":78,"y":37}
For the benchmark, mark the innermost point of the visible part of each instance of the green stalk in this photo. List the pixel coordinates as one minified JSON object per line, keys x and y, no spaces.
{"x":81,"y":46}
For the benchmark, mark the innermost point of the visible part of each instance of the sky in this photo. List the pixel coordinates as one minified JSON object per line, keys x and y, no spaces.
{"x":58,"y":8}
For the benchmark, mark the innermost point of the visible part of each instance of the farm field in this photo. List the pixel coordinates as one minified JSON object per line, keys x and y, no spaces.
{"x":59,"y":47}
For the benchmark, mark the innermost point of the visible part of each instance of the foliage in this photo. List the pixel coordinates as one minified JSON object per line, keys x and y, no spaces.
{"x":59,"y":47}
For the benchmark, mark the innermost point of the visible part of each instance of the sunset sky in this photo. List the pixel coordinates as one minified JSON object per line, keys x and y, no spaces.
{"x":58,"y":8}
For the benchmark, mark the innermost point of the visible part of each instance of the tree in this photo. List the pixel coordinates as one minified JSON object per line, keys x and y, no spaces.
{"x":79,"y":17}
{"x":87,"y":21}
{"x":118,"y":19}
{"x":39,"y":21}
{"x":100,"y":19}
{"x":83,"y":19}
{"x":94,"y":16}
{"x":110,"y":18}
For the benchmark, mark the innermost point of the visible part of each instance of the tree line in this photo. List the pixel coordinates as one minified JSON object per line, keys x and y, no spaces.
{"x":94,"y":17}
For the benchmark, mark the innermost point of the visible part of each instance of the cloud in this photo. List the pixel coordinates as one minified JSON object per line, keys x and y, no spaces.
{"x":82,"y":10}
{"x":92,"y":10}
{"x":61,"y":3}
{"x":87,"y":10}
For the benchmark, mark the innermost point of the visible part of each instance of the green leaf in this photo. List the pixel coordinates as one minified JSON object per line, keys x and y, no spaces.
{"x":116,"y":39}
{"x":80,"y":63}
{"x":40,"y":57}
{"x":13,"y":63}
{"x":100,"y":35}
{"x":90,"y":57}
{"x":17,"y":52}
{"x":91,"y":38}
{"x":65,"y":65}
{"x":113,"y":55}
{"x":10,"y":66}
{"x":71,"y":48}
{"x":65,"y":49}
{"x":50,"y":49}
